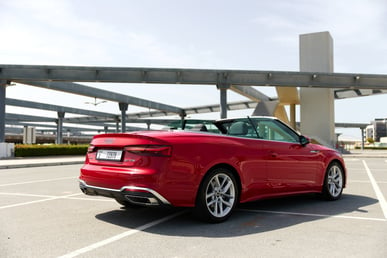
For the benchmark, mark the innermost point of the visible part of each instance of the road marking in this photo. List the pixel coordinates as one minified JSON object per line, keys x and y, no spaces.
{"x":120,"y":236}
{"x":91,"y":199}
{"x":366,"y":181}
{"x":29,"y":195}
{"x":313,"y":215}
{"x":39,"y":181}
{"x":359,"y":181}
{"x":38,"y":201}
{"x":50,"y":197}
{"x":351,"y":159}
{"x":379,"y":194}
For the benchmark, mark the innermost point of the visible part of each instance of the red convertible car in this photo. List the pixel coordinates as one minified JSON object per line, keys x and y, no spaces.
{"x":213,"y":169}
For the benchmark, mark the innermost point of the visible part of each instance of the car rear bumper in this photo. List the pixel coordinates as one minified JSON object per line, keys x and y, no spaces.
{"x":133,"y":194}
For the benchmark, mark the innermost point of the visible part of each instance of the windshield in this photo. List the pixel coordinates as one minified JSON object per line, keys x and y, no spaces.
{"x":259,"y":128}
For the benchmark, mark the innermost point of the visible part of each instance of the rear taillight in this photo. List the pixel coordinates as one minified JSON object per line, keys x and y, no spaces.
{"x":150,"y":150}
{"x":90,"y":148}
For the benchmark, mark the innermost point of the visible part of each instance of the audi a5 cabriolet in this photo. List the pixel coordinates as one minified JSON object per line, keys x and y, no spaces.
{"x":224,"y":163}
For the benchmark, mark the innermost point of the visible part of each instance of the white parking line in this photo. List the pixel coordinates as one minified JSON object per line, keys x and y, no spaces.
{"x":38,"y":201}
{"x":28,"y":195}
{"x":52,"y":197}
{"x":92,"y":199}
{"x":313,"y":215}
{"x":366,"y":181}
{"x":39,"y":181}
{"x":120,"y":236}
{"x":379,"y":194}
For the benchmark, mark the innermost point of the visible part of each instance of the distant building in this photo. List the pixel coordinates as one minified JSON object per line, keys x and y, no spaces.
{"x":377,"y":129}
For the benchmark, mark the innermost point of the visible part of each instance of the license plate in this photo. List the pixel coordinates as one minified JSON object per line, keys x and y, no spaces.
{"x":109,"y":155}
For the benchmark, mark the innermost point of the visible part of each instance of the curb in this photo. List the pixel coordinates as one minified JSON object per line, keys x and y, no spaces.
{"x":365,"y":156}
{"x":43,"y":164}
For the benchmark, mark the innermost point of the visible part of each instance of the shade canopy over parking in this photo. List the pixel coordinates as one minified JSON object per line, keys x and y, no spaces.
{"x":70,"y":78}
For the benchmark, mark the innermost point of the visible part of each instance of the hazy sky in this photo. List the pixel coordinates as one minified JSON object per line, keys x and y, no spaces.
{"x":247,"y":35}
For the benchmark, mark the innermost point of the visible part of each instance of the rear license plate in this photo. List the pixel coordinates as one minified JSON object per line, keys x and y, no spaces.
{"x":109,"y":155}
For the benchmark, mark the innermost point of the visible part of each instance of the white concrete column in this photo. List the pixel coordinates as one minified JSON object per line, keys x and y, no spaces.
{"x":3,"y":85}
{"x":317,"y":105}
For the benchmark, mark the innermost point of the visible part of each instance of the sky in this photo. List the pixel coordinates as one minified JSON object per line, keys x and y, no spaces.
{"x":217,"y":34}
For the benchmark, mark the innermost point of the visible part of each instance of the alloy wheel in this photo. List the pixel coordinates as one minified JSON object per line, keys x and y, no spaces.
{"x":335,"y":181}
{"x":220,"y":195}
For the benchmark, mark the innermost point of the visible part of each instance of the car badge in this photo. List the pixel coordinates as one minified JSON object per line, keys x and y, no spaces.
{"x":108,"y":140}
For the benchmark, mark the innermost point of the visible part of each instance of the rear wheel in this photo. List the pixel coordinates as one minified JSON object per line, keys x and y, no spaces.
{"x":334,"y":182}
{"x":217,"y":196}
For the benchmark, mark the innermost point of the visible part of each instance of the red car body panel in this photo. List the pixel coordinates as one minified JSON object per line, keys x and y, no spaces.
{"x":263,"y":168}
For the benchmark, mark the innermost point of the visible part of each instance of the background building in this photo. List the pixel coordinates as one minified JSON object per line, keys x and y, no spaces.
{"x":377,"y":129}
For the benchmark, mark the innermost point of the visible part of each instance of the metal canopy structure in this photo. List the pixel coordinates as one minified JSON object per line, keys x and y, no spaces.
{"x":62,"y":78}
{"x":20,"y":73}
{"x":84,"y":90}
{"x":56,"y":108}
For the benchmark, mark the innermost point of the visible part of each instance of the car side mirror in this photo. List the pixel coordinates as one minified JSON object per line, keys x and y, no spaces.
{"x":304,"y":140}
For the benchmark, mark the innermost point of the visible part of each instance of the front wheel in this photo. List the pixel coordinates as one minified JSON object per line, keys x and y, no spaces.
{"x":334,"y":182}
{"x":217,"y":196}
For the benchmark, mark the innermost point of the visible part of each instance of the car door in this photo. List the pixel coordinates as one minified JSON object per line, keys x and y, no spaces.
{"x":291,"y":166}
{"x":250,"y":151}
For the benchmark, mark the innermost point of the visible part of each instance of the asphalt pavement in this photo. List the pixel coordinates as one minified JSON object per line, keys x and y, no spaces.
{"x":43,"y":213}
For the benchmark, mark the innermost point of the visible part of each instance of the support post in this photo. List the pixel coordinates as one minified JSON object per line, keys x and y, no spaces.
{"x":123,"y":108}
{"x":59,"y":130}
{"x":223,"y":87}
{"x":362,"y":138}
{"x":317,"y":105}
{"x":223,"y":103}
{"x":3,"y":85}
{"x":117,"y":124}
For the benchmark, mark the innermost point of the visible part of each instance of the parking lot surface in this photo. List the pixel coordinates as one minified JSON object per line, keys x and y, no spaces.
{"x":44,"y":214}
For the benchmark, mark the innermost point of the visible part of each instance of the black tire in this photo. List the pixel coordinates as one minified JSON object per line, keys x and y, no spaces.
{"x":217,"y":196}
{"x":333,"y":182}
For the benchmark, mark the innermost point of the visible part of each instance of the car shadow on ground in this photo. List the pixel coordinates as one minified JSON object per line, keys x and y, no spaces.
{"x":249,"y":218}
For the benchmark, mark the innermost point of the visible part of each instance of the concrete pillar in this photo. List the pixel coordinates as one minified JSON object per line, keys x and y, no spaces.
{"x":59,"y":126}
{"x":317,"y":105}
{"x":117,"y":124}
{"x":3,"y":84}
{"x":123,"y":108}
{"x":223,"y":103}
{"x":362,"y":138}
{"x":6,"y":149}
{"x":223,"y":87}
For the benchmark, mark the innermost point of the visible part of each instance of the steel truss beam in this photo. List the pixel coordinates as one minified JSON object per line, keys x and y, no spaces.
{"x":56,"y":108}
{"x":192,"y":76}
{"x":80,"y":89}
{"x":18,"y":117}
